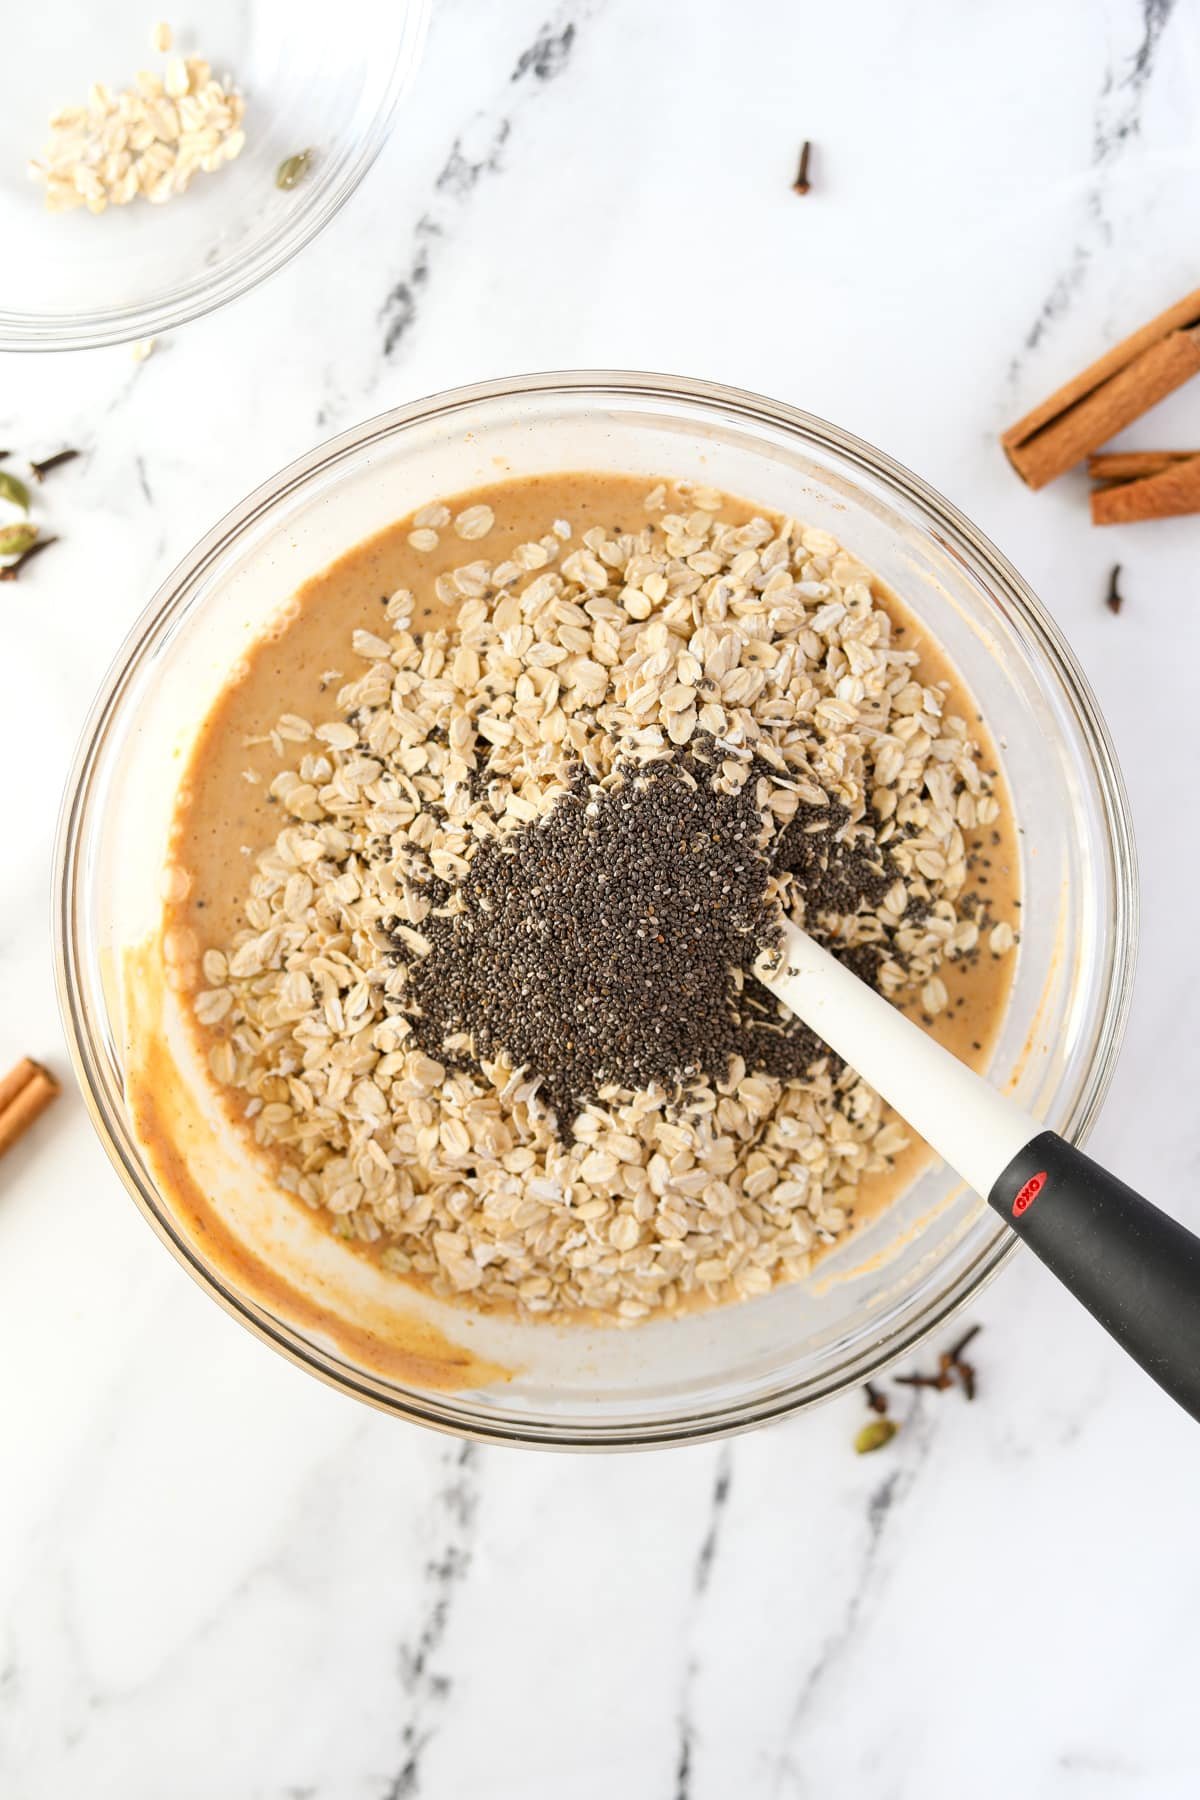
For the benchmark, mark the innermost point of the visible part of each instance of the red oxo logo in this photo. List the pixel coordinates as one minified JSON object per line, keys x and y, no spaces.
{"x":1029,"y":1193}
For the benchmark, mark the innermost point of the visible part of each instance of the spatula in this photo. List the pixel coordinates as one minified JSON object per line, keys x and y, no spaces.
{"x":1135,"y":1269}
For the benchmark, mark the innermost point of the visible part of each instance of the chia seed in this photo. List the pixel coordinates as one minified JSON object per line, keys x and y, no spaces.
{"x":611,"y":942}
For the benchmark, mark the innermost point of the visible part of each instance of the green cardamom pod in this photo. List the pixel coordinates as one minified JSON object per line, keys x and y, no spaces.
{"x":14,"y":490}
{"x":293,"y":169}
{"x":874,"y":1435}
{"x":15,"y":540}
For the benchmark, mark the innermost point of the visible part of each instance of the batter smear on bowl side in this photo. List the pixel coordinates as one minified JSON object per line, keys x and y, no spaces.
{"x":479,"y":848}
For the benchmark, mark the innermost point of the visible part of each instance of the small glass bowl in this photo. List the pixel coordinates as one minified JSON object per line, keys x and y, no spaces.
{"x":329,"y":82}
{"x":873,"y":1298}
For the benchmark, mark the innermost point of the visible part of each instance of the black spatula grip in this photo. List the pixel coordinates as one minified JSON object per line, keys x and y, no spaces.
{"x":1135,"y":1269}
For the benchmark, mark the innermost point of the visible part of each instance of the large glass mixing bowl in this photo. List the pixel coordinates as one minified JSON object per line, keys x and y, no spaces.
{"x":871,"y":1299}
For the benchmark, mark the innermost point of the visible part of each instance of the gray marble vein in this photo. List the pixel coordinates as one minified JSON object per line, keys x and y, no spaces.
{"x":1115,"y":121}
{"x":547,"y":55}
{"x":885,"y":1502}
{"x":426,"y":1688}
{"x":702,"y":1573}
{"x":476,"y":153}
{"x":1125,"y":84}
{"x":143,"y":480}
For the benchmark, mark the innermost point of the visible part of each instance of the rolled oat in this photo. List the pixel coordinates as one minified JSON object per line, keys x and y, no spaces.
{"x":568,"y":678}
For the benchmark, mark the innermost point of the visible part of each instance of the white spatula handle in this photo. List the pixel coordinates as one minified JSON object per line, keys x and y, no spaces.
{"x":972,"y":1127}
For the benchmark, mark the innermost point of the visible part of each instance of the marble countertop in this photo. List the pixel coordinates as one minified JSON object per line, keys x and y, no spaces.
{"x":218,"y":1578}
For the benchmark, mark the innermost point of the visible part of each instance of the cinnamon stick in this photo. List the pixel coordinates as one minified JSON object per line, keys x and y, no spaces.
{"x":25,"y":1092}
{"x":1168,"y":487}
{"x":1113,"y":391}
{"x":1130,"y":465}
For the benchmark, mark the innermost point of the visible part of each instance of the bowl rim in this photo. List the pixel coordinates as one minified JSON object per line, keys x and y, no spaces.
{"x":957,"y":533}
{"x":200,"y":294}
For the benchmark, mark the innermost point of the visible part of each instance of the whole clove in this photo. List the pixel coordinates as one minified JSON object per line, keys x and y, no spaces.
{"x":11,"y":570}
{"x":955,"y":1353}
{"x":952,"y":1370}
{"x":40,"y":470}
{"x":1114,"y":599}
{"x":802,"y":184}
{"x":877,"y":1401}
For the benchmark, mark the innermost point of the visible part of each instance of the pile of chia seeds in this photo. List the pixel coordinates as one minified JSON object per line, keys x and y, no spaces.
{"x":611,"y":942}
